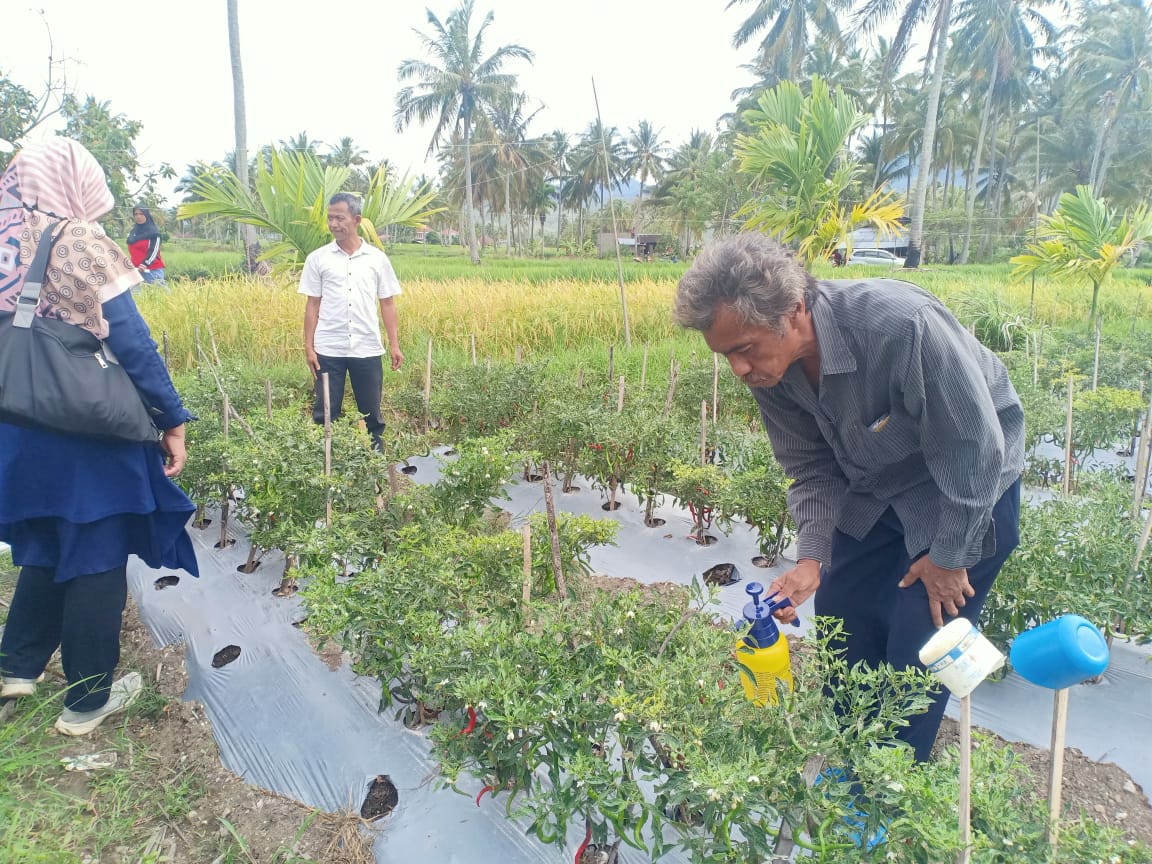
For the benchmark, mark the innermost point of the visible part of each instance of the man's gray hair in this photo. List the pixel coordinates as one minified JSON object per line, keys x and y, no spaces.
{"x":750,"y":272}
{"x":353,"y":201}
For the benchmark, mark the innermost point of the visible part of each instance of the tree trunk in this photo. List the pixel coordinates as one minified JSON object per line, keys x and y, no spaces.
{"x":559,"y":218}
{"x":991,"y":186}
{"x":970,"y":186}
{"x":468,"y":188}
{"x":508,"y":213}
{"x":240,"y":124}
{"x":924,"y":169}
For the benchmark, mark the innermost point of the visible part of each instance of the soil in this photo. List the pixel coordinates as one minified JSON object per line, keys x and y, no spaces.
{"x":177,"y":740}
{"x":1102,"y":791}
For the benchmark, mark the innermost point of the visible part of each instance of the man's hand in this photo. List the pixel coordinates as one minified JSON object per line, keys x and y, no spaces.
{"x":397,"y":357}
{"x":798,"y":584}
{"x":312,"y":360}
{"x":947,"y":589}
{"x":175,"y":453}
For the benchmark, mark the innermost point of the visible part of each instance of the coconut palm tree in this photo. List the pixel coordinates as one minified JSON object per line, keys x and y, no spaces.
{"x":913,"y":13}
{"x":346,"y":154}
{"x":456,"y":82}
{"x":558,"y":148}
{"x":513,"y":155}
{"x":790,"y":26}
{"x":1084,"y":238}
{"x":645,"y":156}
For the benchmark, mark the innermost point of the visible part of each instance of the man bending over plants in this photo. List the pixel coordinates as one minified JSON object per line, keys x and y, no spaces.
{"x":901,"y":433}
{"x":343,"y":282}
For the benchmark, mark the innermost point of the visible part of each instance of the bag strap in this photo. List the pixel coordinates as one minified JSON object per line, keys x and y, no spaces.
{"x":29,"y":300}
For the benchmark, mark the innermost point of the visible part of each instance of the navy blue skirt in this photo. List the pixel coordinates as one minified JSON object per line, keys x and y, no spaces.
{"x":80,"y":506}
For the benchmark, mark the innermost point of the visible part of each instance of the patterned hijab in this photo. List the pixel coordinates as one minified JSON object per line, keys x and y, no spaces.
{"x":60,"y":181}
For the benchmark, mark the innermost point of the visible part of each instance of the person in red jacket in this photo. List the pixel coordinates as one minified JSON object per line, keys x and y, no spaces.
{"x":144,"y":246}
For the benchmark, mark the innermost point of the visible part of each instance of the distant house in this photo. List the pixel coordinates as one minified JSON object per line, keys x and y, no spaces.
{"x":869,"y":238}
{"x":641,"y":246}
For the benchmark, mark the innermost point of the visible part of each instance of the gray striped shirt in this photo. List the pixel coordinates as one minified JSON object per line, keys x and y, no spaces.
{"x":912,"y":412}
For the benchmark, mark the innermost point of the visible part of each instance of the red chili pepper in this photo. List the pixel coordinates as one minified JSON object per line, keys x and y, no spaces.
{"x":467,"y":730}
{"x":584,"y":845}
{"x":482,"y":791}
{"x":596,"y":446}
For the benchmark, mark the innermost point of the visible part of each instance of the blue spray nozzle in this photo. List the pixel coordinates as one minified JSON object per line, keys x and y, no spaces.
{"x":764,"y":631}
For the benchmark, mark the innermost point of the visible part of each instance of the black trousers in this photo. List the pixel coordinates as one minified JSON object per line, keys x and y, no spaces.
{"x":367,"y":377}
{"x":886,"y":623}
{"x":81,"y":616}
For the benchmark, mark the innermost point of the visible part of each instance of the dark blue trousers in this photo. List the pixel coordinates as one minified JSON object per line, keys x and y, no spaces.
{"x":81,"y":617}
{"x":367,"y":377}
{"x":886,"y":623}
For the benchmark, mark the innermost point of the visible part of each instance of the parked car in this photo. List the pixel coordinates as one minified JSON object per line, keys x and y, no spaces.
{"x":875,"y":258}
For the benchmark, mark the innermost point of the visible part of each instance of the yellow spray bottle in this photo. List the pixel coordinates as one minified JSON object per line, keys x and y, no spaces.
{"x":763,"y":652}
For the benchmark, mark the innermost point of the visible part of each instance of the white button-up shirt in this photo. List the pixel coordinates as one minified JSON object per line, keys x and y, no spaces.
{"x":349,"y":288}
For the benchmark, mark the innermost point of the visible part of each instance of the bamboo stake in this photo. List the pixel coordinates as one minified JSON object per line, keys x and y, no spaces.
{"x":393,"y":479}
{"x":165,"y":349}
{"x":268,"y":398}
{"x":715,"y":385}
{"x":1056,"y":771}
{"x":580,"y":378}
{"x":1096,"y":358}
{"x":1036,"y":360}
{"x":428,"y":387}
{"x":620,"y":397}
{"x":1143,"y":449}
{"x":703,"y":433}
{"x":226,"y":411}
{"x":1068,"y":444}
{"x":671,"y":389}
{"x":611,"y":362}
{"x":473,"y":349}
{"x":519,"y":354}
{"x":526,"y":588}
{"x":327,"y":446}
{"x":612,"y":210}
{"x":225,"y":504}
{"x":553,"y":532}
{"x":965,"y":855}
{"x":212,"y":341}
{"x":199,"y":350}
{"x":644,"y":368}
{"x":672,"y":360}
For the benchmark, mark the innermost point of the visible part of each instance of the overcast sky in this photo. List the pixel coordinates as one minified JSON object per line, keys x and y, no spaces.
{"x":330,"y":70}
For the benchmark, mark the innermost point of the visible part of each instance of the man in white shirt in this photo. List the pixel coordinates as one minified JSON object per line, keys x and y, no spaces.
{"x":343,"y":282}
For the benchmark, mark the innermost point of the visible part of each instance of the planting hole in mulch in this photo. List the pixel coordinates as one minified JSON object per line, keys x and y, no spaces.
{"x":571,"y":489}
{"x":654,"y":522}
{"x":721,"y":574}
{"x":408,"y":469}
{"x":534,"y":478}
{"x":225,"y":656}
{"x":610,"y":505}
{"x":202,"y":523}
{"x":449,"y":452}
{"x":248,"y":568}
{"x":286,"y":588}
{"x":761,"y":561}
{"x":230,"y":542}
{"x":709,"y":540}
{"x":166,"y":582}
{"x":381,"y":800}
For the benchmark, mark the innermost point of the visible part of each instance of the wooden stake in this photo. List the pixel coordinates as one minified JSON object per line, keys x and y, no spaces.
{"x":212,"y":341}
{"x":1096,"y":358}
{"x":327,"y":446}
{"x":615,"y":233}
{"x":553,"y":532}
{"x":620,"y":398}
{"x":1036,"y":361}
{"x":526,"y":588}
{"x":715,"y":385}
{"x":225,"y":504}
{"x":1143,"y":448}
{"x":611,"y":362}
{"x":165,"y":349}
{"x":965,"y":780}
{"x":704,"y":433}
{"x":1056,"y":769}
{"x":519,"y":354}
{"x":268,"y":398}
{"x":644,"y":368}
{"x":428,"y":386}
{"x":473,"y":349}
{"x":199,"y":350}
{"x":671,"y":389}
{"x":672,"y":360}
{"x":393,"y":479}
{"x":580,"y":379}
{"x":1068,"y":444}
{"x":226,"y":410}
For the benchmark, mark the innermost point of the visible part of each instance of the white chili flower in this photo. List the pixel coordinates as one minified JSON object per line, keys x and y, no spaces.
{"x":713,"y":795}
{"x":631,"y":614}
{"x":654,"y":726}
{"x":620,"y":718}
{"x":511,"y":735}
{"x":753,"y":780}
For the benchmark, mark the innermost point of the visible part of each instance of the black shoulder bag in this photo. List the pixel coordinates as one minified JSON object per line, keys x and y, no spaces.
{"x":57,"y":376}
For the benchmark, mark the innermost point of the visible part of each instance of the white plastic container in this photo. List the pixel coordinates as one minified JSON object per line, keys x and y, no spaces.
{"x":960,"y":657}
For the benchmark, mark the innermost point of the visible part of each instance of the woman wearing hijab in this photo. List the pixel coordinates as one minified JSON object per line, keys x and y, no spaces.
{"x":72,"y":508}
{"x":144,"y":246}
